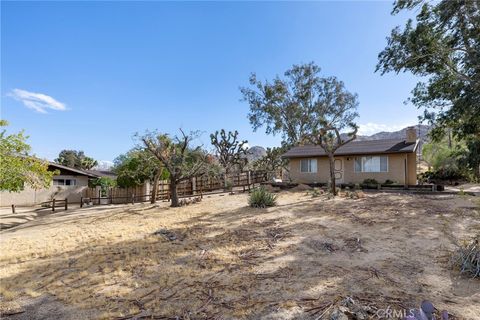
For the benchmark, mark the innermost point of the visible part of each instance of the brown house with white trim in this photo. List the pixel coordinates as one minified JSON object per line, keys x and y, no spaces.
{"x":382,"y":160}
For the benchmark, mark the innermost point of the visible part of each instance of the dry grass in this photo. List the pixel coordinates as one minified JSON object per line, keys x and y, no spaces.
{"x":231,"y":261}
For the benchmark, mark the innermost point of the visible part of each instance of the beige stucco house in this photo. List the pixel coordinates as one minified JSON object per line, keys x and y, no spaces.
{"x":70,"y":183}
{"x":382,"y":160}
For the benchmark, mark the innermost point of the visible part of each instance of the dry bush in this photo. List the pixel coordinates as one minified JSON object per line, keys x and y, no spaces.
{"x":467,"y":257}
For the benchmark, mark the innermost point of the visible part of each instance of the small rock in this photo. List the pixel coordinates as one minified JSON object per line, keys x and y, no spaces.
{"x":169,"y":235}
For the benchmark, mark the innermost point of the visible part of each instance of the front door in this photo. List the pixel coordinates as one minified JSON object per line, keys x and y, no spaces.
{"x":338,"y":170}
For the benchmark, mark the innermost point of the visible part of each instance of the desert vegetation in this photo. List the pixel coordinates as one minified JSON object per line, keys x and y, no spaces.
{"x":302,"y":258}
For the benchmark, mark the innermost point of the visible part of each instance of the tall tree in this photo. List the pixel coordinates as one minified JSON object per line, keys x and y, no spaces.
{"x":138,"y":166}
{"x":18,"y":168}
{"x":442,"y":46}
{"x":335,"y":115}
{"x":305,"y":107}
{"x":75,"y":159}
{"x":178,"y":157}
{"x":230,"y":151}
{"x":284,"y":106}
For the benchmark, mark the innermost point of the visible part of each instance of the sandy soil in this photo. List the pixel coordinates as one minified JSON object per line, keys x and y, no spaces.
{"x":220,"y":259}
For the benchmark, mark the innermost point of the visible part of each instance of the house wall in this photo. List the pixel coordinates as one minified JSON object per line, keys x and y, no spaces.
{"x":396,"y":170}
{"x":29,"y":196}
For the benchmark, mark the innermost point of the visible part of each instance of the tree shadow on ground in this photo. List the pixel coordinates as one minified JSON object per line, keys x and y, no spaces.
{"x":276,"y":263}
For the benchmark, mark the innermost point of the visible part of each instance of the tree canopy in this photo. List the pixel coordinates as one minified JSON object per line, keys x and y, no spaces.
{"x":136,"y":167}
{"x":180,"y":159}
{"x":75,"y":159}
{"x":442,"y":46}
{"x":18,"y":168}
{"x":305,"y":108}
{"x":284,"y":105}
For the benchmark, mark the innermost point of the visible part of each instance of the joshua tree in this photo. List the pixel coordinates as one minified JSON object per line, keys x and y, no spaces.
{"x":230,"y":151}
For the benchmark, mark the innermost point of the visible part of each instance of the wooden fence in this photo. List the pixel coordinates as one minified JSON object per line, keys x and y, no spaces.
{"x":197,"y":186}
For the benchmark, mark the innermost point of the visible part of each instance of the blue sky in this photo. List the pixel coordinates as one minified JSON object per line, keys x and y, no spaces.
{"x":102,"y":71}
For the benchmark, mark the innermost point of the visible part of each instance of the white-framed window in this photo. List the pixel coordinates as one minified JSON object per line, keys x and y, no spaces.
{"x":64,"y":182}
{"x":371,"y":164}
{"x":308,"y":165}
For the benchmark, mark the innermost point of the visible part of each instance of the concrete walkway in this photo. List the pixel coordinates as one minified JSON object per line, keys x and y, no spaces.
{"x":468,"y":187}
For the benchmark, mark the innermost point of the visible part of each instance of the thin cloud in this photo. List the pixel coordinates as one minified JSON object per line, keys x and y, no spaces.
{"x":371,"y":128}
{"x":37,"y":101}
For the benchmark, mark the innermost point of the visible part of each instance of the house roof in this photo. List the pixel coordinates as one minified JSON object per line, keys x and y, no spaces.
{"x":72,"y":170}
{"x":102,"y":173}
{"x":355,"y":148}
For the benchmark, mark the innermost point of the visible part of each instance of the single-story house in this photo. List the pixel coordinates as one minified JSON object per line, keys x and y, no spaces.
{"x":70,"y":183}
{"x":382,"y":160}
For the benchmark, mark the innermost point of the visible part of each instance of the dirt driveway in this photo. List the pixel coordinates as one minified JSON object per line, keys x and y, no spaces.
{"x":220,"y":259}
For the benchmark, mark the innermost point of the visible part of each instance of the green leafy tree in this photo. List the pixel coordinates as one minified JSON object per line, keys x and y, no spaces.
{"x":137,"y":167}
{"x":178,"y":157}
{"x":442,"y":46}
{"x":75,"y":159}
{"x":283,"y":106}
{"x":104,"y":183}
{"x":18,"y":168}
{"x":305,"y":107}
{"x":272,"y":161}
{"x":231,"y":152}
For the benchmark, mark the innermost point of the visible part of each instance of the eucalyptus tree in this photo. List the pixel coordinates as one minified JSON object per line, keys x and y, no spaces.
{"x":305,"y":108}
{"x":442,"y":46}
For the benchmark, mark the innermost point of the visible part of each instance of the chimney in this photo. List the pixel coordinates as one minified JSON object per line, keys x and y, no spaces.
{"x":411,"y":135}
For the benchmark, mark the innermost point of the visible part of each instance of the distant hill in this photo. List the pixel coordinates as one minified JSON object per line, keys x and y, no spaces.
{"x":422,"y":134}
{"x":255,"y":153}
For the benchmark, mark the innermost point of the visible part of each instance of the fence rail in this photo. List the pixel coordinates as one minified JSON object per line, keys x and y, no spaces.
{"x":55,"y":203}
{"x":197,"y":186}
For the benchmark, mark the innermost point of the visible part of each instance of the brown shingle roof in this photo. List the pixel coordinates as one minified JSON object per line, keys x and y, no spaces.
{"x":355,"y":148}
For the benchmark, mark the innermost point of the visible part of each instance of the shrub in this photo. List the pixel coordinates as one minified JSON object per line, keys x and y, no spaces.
{"x":261,"y":198}
{"x":370,"y":181}
{"x":316,"y":192}
{"x":388,"y":181}
{"x":467,"y":257}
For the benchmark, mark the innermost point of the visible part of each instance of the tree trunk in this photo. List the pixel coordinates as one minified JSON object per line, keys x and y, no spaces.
{"x":332,"y":174}
{"x":174,"y":194}
{"x":153,"y":197}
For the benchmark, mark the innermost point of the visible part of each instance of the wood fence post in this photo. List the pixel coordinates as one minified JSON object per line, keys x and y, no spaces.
{"x":194,"y":185}
{"x":111,"y":198}
{"x":133,"y":198}
{"x":249,"y":179}
{"x":66,"y":204}
{"x":53,"y":205}
{"x":81,"y":202}
{"x":13,"y":208}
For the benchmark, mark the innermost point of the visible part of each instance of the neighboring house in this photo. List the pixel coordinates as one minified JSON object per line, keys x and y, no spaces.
{"x":70,"y":183}
{"x":356,"y":161}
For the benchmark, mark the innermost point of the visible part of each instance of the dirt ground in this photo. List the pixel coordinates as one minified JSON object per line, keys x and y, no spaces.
{"x":219,"y":259}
